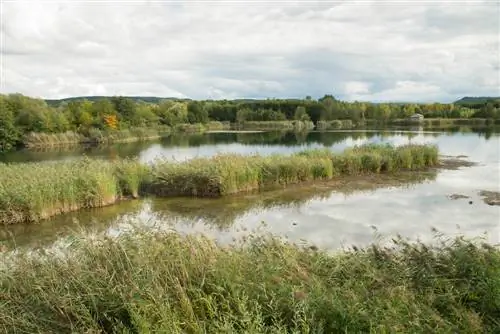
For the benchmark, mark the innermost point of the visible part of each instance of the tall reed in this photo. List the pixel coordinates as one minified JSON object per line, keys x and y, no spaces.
{"x":164,"y":283}
{"x":33,"y":191}
{"x":276,"y":125}
{"x":227,"y":174}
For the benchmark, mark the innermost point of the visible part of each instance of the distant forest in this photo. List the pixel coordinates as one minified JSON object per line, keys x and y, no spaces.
{"x":20,"y":114}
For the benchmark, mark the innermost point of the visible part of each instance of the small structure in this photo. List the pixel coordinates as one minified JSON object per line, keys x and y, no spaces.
{"x":416,"y":117}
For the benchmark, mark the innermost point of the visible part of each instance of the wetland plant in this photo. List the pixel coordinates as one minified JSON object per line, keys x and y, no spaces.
{"x":33,"y":191}
{"x":162,"y":282}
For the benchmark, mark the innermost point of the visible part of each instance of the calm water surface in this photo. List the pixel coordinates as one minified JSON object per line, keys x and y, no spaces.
{"x":326,"y":215}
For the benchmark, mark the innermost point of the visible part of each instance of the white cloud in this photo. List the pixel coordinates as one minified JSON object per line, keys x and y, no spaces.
{"x":355,"y":50}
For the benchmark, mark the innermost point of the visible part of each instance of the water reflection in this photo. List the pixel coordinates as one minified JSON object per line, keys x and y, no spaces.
{"x":325,"y":215}
{"x":220,"y":216}
{"x":181,"y":147}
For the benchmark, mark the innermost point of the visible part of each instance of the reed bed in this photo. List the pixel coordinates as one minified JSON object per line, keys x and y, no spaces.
{"x":335,"y":124}
{"x":94,"y":136}
{"x":165,"y":283}
{"x":442,"y":122}
{"x":34,"y":191}
{"x":228,"y":174}
{"x":200,"y":128}
{"x":30,"y":192}
{"x":37,"y":139}
{"x":276,"y":125}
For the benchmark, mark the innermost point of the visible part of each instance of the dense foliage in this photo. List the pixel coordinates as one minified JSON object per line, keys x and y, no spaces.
{"x":165,"y":283}
{"x":21,"y":115}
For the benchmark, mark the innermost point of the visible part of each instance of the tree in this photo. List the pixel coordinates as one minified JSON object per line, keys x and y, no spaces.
{"x":196,"y":113}
{"x":8,"y":132}
{"x":409,"y":109}
{"x":384,"y":111}
{"x":144,"y":115}
{"x":301,"y":114}
{"x":125,"y":107}
{"x":111,"y":121}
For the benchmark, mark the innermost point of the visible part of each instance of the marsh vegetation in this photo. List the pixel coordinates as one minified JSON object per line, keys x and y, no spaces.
{"x":150,"y":282}
{"x":33,"y":191}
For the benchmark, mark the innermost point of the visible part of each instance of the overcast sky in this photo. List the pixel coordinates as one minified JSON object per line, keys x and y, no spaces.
{"x":357,"y":50}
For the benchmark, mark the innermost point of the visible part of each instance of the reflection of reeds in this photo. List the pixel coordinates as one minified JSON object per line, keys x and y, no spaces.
{"x":223,"y":212}
{"x":162,"y":282}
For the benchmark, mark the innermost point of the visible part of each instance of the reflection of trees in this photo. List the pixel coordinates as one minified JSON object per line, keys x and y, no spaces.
{"x":97,"y":220}
{"x":282,"y":138}
{"x":222,"y":213}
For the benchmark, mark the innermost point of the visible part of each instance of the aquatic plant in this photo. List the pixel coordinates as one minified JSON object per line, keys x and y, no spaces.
{"x":94,"y":136}
{"x":163,"y":282}
{"x":227,"y":174}
{"x":33,"y":191}
{"x":276,"y":125}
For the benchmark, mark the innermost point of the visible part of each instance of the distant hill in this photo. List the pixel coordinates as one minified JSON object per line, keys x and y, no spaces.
{"x":469,"y":101}
{"x":479,"y":100}
{"x":149,"y":99}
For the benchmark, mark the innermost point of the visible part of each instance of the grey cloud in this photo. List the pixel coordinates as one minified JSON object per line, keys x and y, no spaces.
{"x":352,"y":50}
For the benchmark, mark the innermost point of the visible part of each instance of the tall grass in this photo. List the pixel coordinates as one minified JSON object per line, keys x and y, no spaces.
{"x":200,"y":128}
{"x":94,"y":136}
{"x":441,"y":122}
{"x":164,"y":283}
{"x":33,"y":191}
{"x":227,"y":174}
{"x":276,"y":125}
{"x":36,"y":139}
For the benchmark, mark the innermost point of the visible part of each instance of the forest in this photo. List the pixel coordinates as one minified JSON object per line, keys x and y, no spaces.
{"x":22,"y":115}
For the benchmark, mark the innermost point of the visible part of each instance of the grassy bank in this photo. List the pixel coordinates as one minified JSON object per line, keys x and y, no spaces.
{"x":33,"y":191}
{"x":151,"y":283}
{"x":96,"y":136}
{"x":229,"y":174}
{"x":275,"y":125}
{"x":200,"y":128}
{"x":437,"y":122}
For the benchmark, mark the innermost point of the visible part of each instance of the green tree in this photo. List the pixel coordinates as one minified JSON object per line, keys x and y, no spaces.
{"x":196,"y":113}
{"x":301,"y":114}
{"x":8,"y":132}
{"x":125,"y":107}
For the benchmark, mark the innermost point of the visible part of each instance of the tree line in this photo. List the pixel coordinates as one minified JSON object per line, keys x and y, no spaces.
{"x":20,"y":114}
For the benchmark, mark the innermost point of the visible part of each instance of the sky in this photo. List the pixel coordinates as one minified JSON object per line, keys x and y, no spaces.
{"x":422,"y":51}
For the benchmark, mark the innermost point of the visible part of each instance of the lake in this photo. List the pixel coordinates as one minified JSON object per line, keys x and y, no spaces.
{"x":351,"y":211}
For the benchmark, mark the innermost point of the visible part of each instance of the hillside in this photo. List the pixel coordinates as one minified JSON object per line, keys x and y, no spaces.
{"x":150,"y":99}
{"x":469,"y":100}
